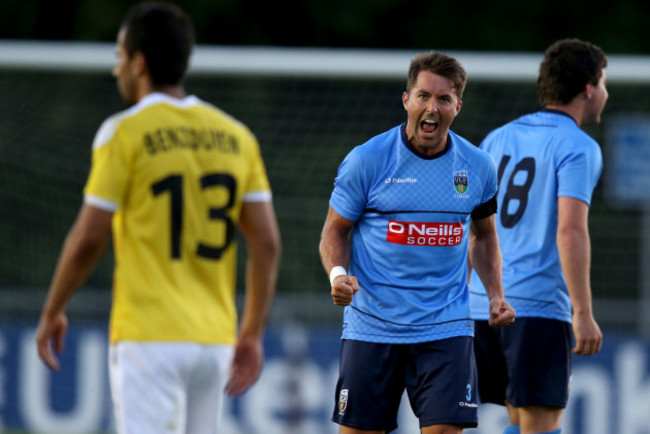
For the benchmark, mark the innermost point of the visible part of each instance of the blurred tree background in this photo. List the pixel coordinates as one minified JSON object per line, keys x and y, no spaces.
{"x":505,"y":25}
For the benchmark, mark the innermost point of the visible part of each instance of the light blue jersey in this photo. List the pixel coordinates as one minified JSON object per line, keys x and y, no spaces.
{"x":540,"y":157}
{"x":409,"y":242}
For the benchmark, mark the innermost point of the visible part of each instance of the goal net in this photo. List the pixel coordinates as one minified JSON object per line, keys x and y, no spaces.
{"x":308,"y":108}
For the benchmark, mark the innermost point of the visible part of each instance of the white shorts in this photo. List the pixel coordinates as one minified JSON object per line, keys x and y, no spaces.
{"x":168,"y":387}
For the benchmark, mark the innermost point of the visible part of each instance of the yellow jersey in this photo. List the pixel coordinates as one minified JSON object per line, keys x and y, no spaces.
{"x":175,"y":172}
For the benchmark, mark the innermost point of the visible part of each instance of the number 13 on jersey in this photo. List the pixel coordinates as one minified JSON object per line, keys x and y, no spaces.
{"x":174,"y":185}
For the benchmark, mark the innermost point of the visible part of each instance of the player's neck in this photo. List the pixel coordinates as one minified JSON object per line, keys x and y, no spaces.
{"x":145,"y":87}
{"x":174,"y":91}
{"x":571,"y":109}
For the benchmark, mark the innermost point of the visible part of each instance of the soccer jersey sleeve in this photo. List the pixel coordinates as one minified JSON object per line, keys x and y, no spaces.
{"x":349,"y":196}
{"x":258,"y":188}
{"x":109,"y":172}
{"x":490,"y":189}
{"x":488,"y":205}
{"x":578,"y":170}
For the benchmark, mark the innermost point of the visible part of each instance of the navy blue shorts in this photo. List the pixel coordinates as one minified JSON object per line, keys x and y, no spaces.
{"x":439,"y":378}
{"x":527,"y":363}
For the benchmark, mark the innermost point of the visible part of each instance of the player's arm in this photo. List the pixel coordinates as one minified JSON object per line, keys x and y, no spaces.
{"x":81,"y":250}
{"x":260,"y":229}
{"x":485,"y":257}
{"x":574,"y":247}
{"x":334,"y":251}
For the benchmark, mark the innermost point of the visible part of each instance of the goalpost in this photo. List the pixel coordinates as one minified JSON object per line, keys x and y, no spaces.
{"x":302,"y":62}
{"x":308,"y":107}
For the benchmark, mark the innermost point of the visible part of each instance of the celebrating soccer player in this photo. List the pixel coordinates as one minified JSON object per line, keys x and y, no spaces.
{"x":395,"y":245}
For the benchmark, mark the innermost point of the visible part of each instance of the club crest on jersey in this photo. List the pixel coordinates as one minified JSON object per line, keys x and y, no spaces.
{"x":343,"y":401}
{"x":460,"y":181}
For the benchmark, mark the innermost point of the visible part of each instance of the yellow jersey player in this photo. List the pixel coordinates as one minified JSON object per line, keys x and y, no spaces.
{"x":171,"y":178}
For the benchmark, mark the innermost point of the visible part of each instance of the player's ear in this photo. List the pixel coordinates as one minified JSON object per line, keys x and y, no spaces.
{"x":458,"y":106}
{"x":405,"y":99}
{"x":139,"y":63}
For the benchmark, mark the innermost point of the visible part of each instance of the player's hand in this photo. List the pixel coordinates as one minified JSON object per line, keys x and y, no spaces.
{"x":501,"y":313}
{"x":246,"y":365}
{"x":343,"y":289}
{"x":51,"y":333}
{"x":589,"y":338}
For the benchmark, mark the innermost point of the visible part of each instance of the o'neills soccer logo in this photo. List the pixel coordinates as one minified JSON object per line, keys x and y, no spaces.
{"x":424,"y":234}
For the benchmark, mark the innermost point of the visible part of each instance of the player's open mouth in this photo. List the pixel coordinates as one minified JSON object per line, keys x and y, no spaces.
{"x":429,"y":126}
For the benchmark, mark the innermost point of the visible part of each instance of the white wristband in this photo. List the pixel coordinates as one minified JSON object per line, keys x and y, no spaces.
{"x":336,"y":272}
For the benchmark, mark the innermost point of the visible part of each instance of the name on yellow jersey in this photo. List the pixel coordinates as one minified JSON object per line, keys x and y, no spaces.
{"x":177,"y":138}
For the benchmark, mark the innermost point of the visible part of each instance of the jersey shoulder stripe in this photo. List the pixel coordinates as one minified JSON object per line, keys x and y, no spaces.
{"x":111,"y":124}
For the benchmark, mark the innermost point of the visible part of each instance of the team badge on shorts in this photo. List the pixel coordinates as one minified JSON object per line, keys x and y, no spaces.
{"x":343,"y":401}
{"x":460,"y":181}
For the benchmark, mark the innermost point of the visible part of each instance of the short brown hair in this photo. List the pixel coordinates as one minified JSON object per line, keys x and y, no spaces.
{"x":165,"y":35}
{"x":440,"y":64}
{"x":568,"y":66}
